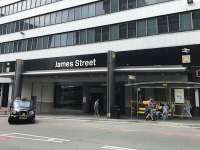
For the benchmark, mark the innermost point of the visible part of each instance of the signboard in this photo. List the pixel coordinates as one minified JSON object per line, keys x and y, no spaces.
{"x":179,"y":96}
{"x":67,"y":62}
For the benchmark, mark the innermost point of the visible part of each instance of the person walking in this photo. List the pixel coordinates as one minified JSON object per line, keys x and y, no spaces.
{"x":96,"y":108}
{"x":150,"y":110}
{"x":165,"y":112}
{"x":188,"y":109}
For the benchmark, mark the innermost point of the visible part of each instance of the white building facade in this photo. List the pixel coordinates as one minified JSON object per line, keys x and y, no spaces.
{"x":64,"y":46}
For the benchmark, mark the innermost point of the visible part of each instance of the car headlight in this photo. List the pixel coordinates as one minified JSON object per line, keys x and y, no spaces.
{"x":31,"y":112}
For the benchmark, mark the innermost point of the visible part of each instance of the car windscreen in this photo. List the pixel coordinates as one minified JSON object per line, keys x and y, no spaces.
{"x":21,"y":104}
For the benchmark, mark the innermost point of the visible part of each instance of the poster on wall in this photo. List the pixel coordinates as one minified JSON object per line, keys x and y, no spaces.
{"x":179,"y":96}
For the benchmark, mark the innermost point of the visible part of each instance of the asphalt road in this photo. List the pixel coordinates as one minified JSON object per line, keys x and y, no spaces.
{"x":79,"y":134}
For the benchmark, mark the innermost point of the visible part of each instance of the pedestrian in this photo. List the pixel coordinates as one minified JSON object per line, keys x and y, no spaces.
{"x":165,"y":112}
{"x":96,"y":108}
{"x":188,"y":109}
{"x":150,"y":110}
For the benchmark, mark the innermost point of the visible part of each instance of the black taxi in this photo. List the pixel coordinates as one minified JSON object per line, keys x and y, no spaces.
{"x":21,"y":110}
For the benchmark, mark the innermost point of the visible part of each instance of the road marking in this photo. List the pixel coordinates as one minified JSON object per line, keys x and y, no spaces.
{"x":115,"y":148}
{"x":34,"y":137}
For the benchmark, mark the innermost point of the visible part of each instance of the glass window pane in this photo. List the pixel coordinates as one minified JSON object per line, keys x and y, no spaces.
{"x":11,"y":48}
{"x":7,"y":10}
{"x":28,"y":4}
{"x":47,"y":19}
{"x":196,"y":19}
{"x":29,"y":46}
{"x":84,"y":11}
{"x":100,"y":8}
{"x":23,"y":5}
{"x":131,"y":4}
{"x":76,"y":37}
{"x":77,"y":13}
{"x":33,"y":3}
{"x":91,"y":10}
{"x":51,"y":41}
{"x":38,"y":3}
{"x":48,"y":1}
{"x":31,"y":23}
{"x":26,"y":24}
{"x":6,"y":47}
{"x":141,"y":28}
{"x":114,"y":32}
{"x":21,"y":25}
{"x":106,"y":6}
{"x":41,"y":21}
{"x":53,"y":18}
{"x":34,"y":43}
{"x":19,"y":46}
{"x":40,"y":43}
{"x":71,"y":14}
{"x":173,"y":22}
{"x":58,"y":17}
{"x":15,"y":8}
{"x":19,"y":6}
{"x":185,"y":21}
{"x":123,"y":30}
{"x":45,"y":42}
{"x":98,"y":34}
{"x":11,"y":9}
{"x":43,"y":2}
{"x":122,"y":4}
{"x":64,"y":39}
{"x":12,"y":27}
{"x":90,"y":36}
{"x":57,"y":40}
{"x":114,"y":6}
{"x":70,"y":38}
{"x":162,"y":24}
{"x":105,"y":33}
{"x":2,"y":48}
{"x":24,"y":45}
{"x":3,"y":11}
{"x":83,"y":38}
{"x":64,"y":15}
{"x":152,"y":26}
{"x":37,"y":22}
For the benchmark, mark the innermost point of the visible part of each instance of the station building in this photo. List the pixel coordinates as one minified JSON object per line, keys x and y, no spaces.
{"x":64,"y":54}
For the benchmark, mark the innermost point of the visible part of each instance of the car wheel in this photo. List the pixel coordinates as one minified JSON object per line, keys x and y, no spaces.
{"x":10,"y":121}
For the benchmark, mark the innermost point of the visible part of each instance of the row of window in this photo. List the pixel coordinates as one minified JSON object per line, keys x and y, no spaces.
{"x":23,"y":5}
{"x":76,"y":13}
{"x":162,"y":24}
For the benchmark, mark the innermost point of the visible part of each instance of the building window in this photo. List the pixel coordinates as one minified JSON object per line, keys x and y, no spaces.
{"x":196,"y":19}
{"x":173,"y":22}
{"x":123,"y":30}
{"x":45,"y":42}
{"x":24,"y":45}
{"x":58,"y":17}
{"x":53,"y":18}
{"x":185,"y":21}
{"x":114,"y":32}
{"x":90,"y":36}
{"x":77,"y":13}
{"x":29,"y":46}
{"x":141,"y":28}
{"x":63,"y":39}
{"x":71,"y":14}
{"x":42,"y":21}
{"x":162,"y":24}
{"x":83,"y":37}
{"x":76,"y":38}
{"x":131,"y":29}
{"x":37,"y":22}
{"x":98,"y":34}
{"x":100,"y":8}
{"x":47,"y":19}
{"x":131,"y":4}
{"x":57,"y":40}
{"x":84,"y":11}
{"x":70,"y":38}
{"x":51,"y":41}
{"x":106,"y":6}
{"x":91,"y":10}
{"x":152,"y":26}
{"x":114,"y":6}
{"x":64,"y":15}
{"x":105,"y":33}
{"x":122,"y":5}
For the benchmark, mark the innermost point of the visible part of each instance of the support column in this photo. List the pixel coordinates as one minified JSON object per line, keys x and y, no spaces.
{"x":110,"y":82}
{"x":18,"y":78}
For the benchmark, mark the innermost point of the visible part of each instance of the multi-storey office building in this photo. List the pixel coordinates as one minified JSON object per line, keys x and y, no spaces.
{"x":65,"y":54}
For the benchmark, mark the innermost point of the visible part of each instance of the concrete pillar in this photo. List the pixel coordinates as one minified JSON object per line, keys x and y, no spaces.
{"x":85,"y":100}
{"x":110,"y":82}
{"x":18,"y":78}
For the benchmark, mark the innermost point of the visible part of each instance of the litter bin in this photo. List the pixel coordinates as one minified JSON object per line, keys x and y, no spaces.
{"x":115,"y":112}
